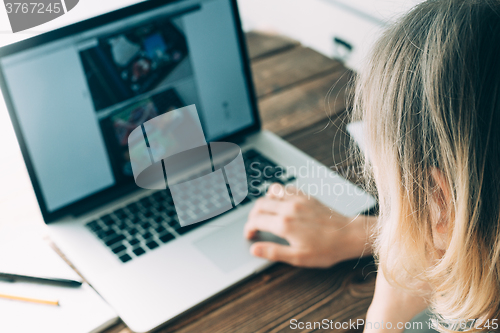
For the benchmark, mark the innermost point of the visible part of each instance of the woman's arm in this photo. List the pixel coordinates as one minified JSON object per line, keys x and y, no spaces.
{"x":318,"y":236}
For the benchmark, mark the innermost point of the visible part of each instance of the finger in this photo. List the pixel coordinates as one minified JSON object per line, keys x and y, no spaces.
{"x":274,"y":252}
{"x":276,"y":191}
{"x":291,"y":191}
{"x":269,"y":205}
{"x":280,"y":192}
{"x":264,"y":222}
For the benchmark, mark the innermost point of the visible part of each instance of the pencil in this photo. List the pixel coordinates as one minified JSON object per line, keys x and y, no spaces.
{"x":30,"y":300}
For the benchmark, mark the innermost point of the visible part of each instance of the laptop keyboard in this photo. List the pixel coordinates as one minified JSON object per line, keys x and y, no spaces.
{"x":146,"y":224}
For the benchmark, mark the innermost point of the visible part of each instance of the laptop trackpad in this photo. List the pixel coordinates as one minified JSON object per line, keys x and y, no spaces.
{"x":228,"y":249}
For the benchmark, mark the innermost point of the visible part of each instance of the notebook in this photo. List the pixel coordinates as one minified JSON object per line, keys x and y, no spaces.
{"x":80,"y":310}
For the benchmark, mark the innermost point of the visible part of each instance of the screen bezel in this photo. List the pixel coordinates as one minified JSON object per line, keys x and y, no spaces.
{"x":116,"y":191}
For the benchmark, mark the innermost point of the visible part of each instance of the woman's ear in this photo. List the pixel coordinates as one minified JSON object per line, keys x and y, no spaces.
{"x":442,"y":198}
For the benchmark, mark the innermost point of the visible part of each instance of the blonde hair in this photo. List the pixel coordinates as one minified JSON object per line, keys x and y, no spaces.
{"x":430,"y":98}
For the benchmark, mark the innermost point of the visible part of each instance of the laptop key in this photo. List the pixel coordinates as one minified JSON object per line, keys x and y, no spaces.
{"x":132,"y":207}
{"x":102,"y":235}
{"x":133,"y":241}
{"x":146,"y":204}
{"x":115,"y":240}
{"x":249,"y":154}
{"x":144,"y":200}
{"x":109,"y":232}
{"x":124,"y":258}
{"x":159,"y":219}
{"x":120,"y":213}
{"x":133,"y":210}
{"x":132,"y":231}
{"x":139,"y":251}
{"x":166,"y":238}
{"x":115,"y":218}
{"x":174,"y":224}
{"x":152,"y":245}
{"x":107,"y":220}
{"x":93,"y":225}
{"x":119,"y":249}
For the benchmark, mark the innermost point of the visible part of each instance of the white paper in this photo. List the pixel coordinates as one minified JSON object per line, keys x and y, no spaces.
{"x":80,"y":310}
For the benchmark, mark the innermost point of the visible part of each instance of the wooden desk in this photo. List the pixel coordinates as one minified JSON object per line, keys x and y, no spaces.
{"x":292,"y":83}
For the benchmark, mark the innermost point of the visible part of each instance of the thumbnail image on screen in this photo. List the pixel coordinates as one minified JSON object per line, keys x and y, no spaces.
{"x":118,"y":126}
{"x":132,"y":62}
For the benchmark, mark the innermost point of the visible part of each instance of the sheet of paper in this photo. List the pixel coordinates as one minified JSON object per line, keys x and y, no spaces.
{"x":80,"y":310}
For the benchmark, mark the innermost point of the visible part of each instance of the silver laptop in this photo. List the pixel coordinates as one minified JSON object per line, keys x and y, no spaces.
{"x":76,"y":94}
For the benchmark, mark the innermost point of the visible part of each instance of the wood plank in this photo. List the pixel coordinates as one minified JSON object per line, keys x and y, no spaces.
{"x":263,"y":44}
{"x":305,"y":104}
{"x":290,"y":68}
{"x":326,"y":140}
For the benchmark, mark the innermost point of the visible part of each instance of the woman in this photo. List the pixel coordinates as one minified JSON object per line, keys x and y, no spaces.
{"x":430,"y":101}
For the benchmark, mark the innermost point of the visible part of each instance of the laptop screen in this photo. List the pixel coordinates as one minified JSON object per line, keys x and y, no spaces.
{"x":77,"y":99}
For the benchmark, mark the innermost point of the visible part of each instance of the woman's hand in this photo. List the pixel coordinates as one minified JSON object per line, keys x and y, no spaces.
{"x":318,"y":236}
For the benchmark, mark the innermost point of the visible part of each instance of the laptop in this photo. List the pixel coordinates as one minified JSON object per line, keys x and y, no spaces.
{"x":75,"y":96}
